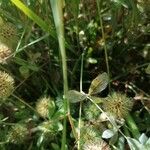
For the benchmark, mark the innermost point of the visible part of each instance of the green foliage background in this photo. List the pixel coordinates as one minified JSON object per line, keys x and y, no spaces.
{"x":112,"y":35}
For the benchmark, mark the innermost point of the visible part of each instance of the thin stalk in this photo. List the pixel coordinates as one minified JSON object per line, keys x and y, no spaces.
{"x":57,"y":9}
{"x":79,"y":125}
{"x":80,"y":110}
{"x":103,"y":36}
{"x":22,"y":101}
{"x":81,"y":72}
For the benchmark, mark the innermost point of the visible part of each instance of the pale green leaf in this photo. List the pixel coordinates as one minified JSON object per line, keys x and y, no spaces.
{"x":108,"y":134}
{"x":74,"y":96}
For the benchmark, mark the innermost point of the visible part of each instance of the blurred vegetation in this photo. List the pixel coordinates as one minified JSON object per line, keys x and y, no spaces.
{"x":100,"y":36}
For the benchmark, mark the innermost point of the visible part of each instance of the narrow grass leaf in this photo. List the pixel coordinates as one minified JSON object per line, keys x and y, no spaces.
{"x":32,"y":16}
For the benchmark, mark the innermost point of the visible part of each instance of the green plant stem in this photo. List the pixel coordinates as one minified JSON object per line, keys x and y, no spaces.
{"x":80,"y":110}
{"x":81,"y":72}
{"x":103,"y":36}
{"x":133,"y":127}
{"x":57,"y":9}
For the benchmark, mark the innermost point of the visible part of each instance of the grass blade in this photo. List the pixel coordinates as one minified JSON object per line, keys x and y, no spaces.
{"x":33,"y":16}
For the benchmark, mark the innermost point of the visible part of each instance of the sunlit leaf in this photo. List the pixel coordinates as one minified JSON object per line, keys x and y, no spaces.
{"x":124,"y":3}
{"x":74,"y":96}
{"x":92,"y":60}
{"x":134,"y":144}
{"x":143,"y":138}
{"x":148,"y":141}
{"x":58,"y":126}
{"x":99,"y":84}
{"x":108,"y":134}
{"x":31,"y":15}
{"x":40,"y":140}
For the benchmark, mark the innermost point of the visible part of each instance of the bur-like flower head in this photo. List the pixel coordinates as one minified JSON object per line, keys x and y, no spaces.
{"x":5,"y":53}
{"x":8,"y":34}
{"x":89,"y":133}
{"x":8,"y":40}
{"x":45,"y":106}
{"x":118,"y":105}
{"x":96,"y":145}
{"x":18,"y":134}
{"x":6,"y":85}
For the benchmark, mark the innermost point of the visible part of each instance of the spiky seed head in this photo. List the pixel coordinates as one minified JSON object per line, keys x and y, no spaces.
{"x":89,"y":133}
{"x":44,"y":105}
{"x":118,"y":105}
{"x":6,"y":85}
{"x":96,"y":145}
{"x":18,"y":134}
{"x":8,"y":34}
{"x":5,"y":53}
